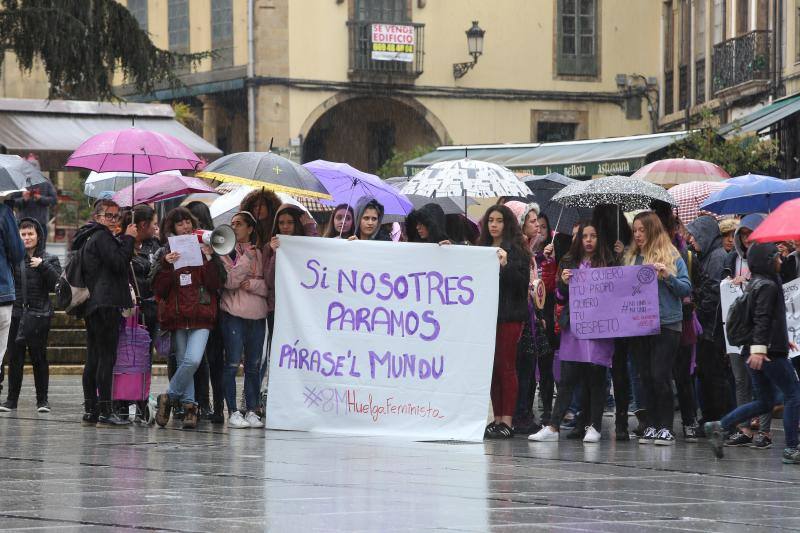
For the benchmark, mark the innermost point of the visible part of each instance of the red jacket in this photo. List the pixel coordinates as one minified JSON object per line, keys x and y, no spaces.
{"x":191,"y":305}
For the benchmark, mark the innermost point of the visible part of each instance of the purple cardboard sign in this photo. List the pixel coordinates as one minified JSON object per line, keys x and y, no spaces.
{"x":613,"y":302}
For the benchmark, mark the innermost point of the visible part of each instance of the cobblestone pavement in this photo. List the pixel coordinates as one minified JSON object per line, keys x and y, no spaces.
{"x":56,"y":475}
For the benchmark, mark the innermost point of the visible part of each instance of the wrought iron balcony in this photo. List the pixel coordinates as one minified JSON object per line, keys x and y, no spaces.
{"x":368,"y":58}
{"x":700,"y":81}
{"x":741,"y":59}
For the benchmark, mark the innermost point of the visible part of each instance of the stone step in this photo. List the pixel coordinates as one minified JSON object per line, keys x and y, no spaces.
{"x":67,"y":337}
{"x":62,"y":320}
{"x":66,"y":355}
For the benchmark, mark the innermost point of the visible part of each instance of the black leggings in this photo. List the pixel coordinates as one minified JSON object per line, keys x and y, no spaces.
{"x":102,"y":336}
{"x":15,"y":356}
{"x":622,"y":383}
{"x":681,"y":372}
{"x":655,"y":357}
{"x":574,"y":375}
{"x":712,"y":375}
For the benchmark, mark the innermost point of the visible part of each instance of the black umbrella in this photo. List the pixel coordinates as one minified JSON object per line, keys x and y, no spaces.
{"x":561,"y":218}
{"x":268,"y":171}
{"x":17,"y":174}
{"x":451,"y":205}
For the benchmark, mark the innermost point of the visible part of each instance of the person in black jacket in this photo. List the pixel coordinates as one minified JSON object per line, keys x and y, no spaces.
{"x":41,"y":271}
{"x":105,"y":264}
{"x":712,"y":365}
{"x":501,"y":230}
{"x":767,"y":355}
{"x":427,"y":224}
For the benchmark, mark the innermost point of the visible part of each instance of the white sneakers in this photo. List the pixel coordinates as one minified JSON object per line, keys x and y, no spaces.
{"x":250,"y":420}
{"x":237,"y":421}
{"x":254,"y":420}
{"x":544,"y":435}
{"x":592,"y":435}
{"x":548,"y":435}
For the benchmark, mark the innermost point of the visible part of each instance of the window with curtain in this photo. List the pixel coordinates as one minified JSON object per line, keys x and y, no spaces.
{"x":742,"y":16}
{"x":138,"y":9}
{"x":222,"y":33}
{"x":577,"y":39}
{"x":700,"y":30}
{"x":178,"y":25}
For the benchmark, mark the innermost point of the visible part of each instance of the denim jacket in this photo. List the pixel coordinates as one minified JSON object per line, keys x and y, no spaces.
{"x":11,"y":253}
{"x":671,"y":292}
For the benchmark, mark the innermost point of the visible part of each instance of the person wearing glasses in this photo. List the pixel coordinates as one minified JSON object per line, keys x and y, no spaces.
{"x":105,"y":265}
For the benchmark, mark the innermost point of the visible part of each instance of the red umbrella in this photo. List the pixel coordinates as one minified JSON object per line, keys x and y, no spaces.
{"x":690,"y":195}
{"x":780,"y":225}
{"x":677,"y":171}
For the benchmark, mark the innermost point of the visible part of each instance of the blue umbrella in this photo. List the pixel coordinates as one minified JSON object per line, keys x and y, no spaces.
{"x":751,"y":193}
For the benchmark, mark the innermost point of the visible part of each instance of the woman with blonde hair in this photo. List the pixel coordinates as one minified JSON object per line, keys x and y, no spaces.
{"x":655,"y":354}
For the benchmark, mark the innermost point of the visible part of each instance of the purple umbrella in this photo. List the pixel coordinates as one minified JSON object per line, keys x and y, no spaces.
{"x":347,"y":185}
{"x":162,"y":186}
{"x":133,"y":150}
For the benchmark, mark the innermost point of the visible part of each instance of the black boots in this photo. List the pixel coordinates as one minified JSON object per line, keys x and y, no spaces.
{"x":108,"y":418}
{"x":89,"y":413}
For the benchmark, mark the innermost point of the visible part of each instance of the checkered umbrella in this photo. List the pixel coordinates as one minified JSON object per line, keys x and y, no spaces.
{"x":678,"y":171}
{"x":690,"y":195}
{"x":466,"y":177}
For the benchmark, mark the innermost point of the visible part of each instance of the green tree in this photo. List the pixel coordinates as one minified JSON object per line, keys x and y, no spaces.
{"x":738,"y":155}
{"x":83,"y":43}
{"x":393,"y":166}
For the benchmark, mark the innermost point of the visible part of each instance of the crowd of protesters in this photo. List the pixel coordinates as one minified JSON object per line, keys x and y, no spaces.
{"x":218,"y":316}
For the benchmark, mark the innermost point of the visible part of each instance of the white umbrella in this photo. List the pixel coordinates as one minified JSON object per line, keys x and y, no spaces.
{"x":223,"y":208}
{"x":100,"y":182}
{"x":466,"y":177}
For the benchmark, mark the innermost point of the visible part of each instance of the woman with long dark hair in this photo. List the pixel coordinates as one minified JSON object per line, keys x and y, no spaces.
{"x":655,"y":354}
{"x":212,"y":366}
{"x":244,"y":312}
{"x":500,"y":229}
{"x":342,"y":222}
{"x":584,"y":362}
{"x":187,"y":306}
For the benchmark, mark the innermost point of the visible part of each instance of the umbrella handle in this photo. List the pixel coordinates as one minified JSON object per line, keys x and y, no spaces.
{"x":559,"y":217}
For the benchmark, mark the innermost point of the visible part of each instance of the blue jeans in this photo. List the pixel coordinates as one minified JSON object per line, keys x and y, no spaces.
{"x":780,"y":373}
{"x":190,"y":344}
{"x":243,"y":336}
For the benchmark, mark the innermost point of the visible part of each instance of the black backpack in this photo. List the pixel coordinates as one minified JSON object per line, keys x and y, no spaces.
{"x":71,"y":289}
{"x":739,"y":322}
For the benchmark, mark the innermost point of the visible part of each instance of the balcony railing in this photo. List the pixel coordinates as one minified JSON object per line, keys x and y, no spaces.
{"x":363,"y":54}
{"x":741,"y":59}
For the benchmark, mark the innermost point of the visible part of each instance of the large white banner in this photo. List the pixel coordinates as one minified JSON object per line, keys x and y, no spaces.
{"x":791,"y":296}
{"x":377,"y":338}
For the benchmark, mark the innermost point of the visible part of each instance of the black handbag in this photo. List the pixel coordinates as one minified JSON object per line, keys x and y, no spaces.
{"x":34,"y":323}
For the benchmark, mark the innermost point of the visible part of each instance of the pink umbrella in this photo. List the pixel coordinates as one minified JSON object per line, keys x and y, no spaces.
{"x":677,"y":171}
{"x":133,"y":150}
{"x":161,"y":186}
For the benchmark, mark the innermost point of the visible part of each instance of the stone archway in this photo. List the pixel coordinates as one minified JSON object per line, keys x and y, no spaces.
{"x":363,"y":130}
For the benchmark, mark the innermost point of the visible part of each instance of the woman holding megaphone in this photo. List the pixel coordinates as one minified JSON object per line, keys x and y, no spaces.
{"x":187,"y":306}
{"x":243,"y":320}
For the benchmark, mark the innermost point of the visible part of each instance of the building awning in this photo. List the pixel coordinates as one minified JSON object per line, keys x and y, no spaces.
{"x":53,"y":130}
{"x":763,"y":118}
{"x":575,"y":159}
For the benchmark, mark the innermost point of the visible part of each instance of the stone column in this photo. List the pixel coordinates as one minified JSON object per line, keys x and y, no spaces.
{"x":209,"y":118}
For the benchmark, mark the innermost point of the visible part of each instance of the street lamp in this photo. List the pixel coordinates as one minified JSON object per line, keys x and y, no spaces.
{"x":637,"y":85}
{"x":475,"y":47}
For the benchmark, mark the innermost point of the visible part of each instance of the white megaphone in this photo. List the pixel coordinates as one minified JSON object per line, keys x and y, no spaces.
{"x":222,"y":240}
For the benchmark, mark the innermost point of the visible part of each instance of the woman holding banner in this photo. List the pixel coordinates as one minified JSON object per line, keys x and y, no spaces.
{"x":341,"y":224}
{"x":584,"y":362}
{"x":501,"y":230}
{"x":655,"y":354}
